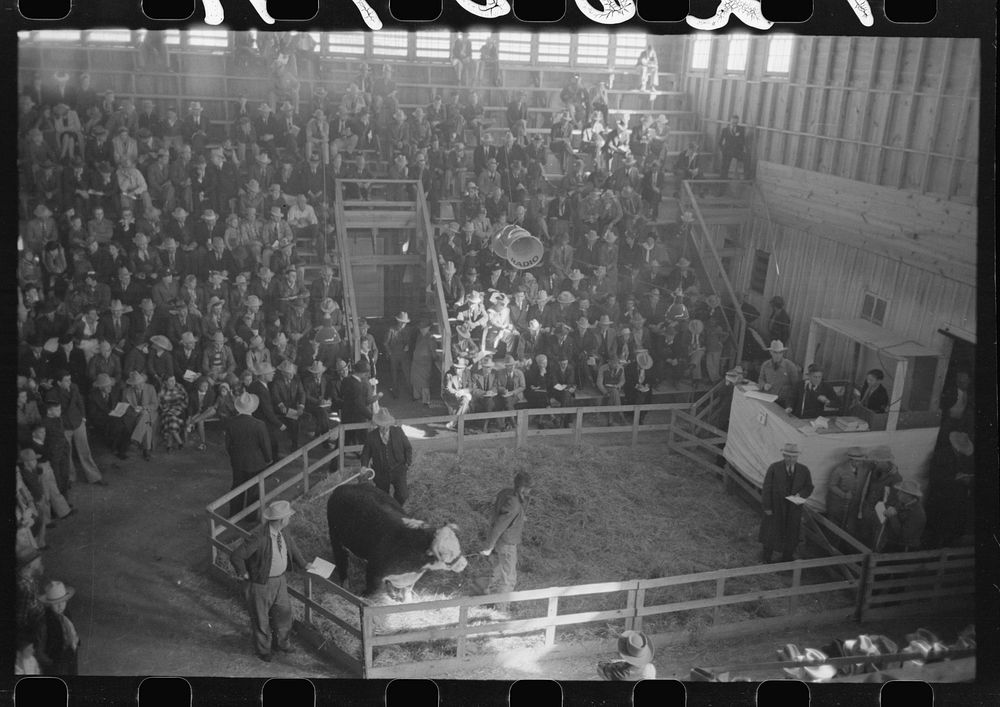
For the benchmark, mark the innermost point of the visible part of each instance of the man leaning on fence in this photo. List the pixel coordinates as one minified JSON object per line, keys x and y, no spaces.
{"x":262,"y":559}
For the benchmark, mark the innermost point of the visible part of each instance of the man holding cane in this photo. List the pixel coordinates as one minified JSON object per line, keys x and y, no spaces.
{"x":505,"y":535}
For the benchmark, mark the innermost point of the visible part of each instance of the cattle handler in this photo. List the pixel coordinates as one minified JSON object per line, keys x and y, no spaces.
{"x":262,"y":560}
{"x":505,"y":536}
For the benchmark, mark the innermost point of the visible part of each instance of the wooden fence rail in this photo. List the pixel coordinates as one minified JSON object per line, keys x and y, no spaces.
{"x":872,"y":585}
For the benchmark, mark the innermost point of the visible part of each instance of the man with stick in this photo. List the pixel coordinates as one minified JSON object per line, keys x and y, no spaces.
{"x":505,"y":535}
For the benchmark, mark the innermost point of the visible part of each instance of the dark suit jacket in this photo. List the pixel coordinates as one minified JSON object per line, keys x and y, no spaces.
{"x":805,"y":403}
{"x":354,"y":395}
{"x":253,"y":555}
{"x":398,"y":453}
{"x":248,"y":445}
{"x":264,"y":411}
{"x":878,"y":401}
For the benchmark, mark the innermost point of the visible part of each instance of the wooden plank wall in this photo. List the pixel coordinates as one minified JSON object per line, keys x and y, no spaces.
{"x":823,"y":265}
{"x":897,"y":112}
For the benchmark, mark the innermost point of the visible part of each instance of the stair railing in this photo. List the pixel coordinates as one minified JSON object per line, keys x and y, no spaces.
{"x":434,"y":279}
{"x":351,"y":311}
{"x":701,"y":241}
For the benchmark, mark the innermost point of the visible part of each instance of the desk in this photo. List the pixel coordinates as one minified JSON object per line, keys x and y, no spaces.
{"x":752,"y":446}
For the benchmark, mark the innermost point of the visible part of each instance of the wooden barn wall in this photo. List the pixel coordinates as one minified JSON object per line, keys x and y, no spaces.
{"x":901,"y":112}
{"x":824,"y":270}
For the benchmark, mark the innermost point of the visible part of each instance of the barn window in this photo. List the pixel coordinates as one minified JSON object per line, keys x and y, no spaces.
{"x":758,"y":275}
{"x":208,"y":38}
{"x":173,"y":37}
{"x":779,"y":55}
{"x":346,"y":42}
{"x":553,"y":47}
{"x":628,"y":47}
{"x":701,"y":51}
{"x":873,"y":308}
{"x":110,"y":36}
{"x":55,"y":35}
{"x":592,"y":49}
{"x":390,"y":43}
{"x":515,"y":46}
{"x":736,"y":59}
{"x":433,"y":44}
{"x":477,"y":40}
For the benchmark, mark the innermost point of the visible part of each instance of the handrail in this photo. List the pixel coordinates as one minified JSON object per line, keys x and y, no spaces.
{"x":346,"y":273}
{"x":717,"y":261}
{"x":432,"y":265}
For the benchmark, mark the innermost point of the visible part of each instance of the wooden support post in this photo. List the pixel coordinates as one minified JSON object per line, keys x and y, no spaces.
{"x":864,"y":587}
{"x":949,"y":52}
{"x":341,"y":441}
{"x":793,"y":600}
{"x":307,"y":605}
{"x":968,"y":106}
{"x":877,"y":52}
{"x":463,"y":621}
{"x":578,"y":427}
{"x":640,"y":598}
{"x":460,"y":430}
{"x":918,"y":72}
{"x":522,"y":429}
{"x":887,"y":122}
{"x":551,"y":613}
{"x":899,"y":381}
{"x":670,"y":431}
{"x":720,"y":591}
{"x":635,"y":425}
{"x":215,"y":550}
{"x":305,"y":471}
{"x":630,"y":604}
{"x":367,"y":649}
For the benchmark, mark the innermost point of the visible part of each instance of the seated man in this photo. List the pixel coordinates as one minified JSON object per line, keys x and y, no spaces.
{"x":811,"y":397}
{"x":611,"y":381}
{"x":873,"y":394}
{"x":484,"y":390}
{"x":510,"y":386}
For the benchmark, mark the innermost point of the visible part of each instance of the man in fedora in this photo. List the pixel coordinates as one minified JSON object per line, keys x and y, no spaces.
{"x":636,"y":653}
{"x":389,"y":453}
{"x":318,"y":392}
{"x":782,"y":520}
{"x":58,"y":642}
{"x":903,"y":519}
{"x":249,"y":447}
{"x":485,"y":389}
{"x":844,"y":485}
{"x":262,"y":561}
{"x":289,"y":399}
{"x":263,"y":376}
{"x":779,"y":375}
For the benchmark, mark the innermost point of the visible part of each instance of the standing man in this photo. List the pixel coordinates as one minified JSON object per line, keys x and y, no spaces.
{"x":397,"y":345}
{"x":779,"y":375}
{"x":74,"y":418}
{"x":505,"y":535}
{"x":732,"y":143}
{"x":844,"y":486}
{"x":389,"y":453}
{"x":249,"y":449}
{"x":782,"y":521}
{"x":262,"y":560}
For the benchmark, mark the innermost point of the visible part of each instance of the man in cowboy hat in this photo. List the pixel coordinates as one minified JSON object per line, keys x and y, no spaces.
{"x":779,"y":375}
{"x":58,"y":642}
{"x":904,"y":519}
{"x":289,"y":399}
{"x":485,"y":389}
{"x":882,"y":474}
{"x":782,"y":520}
{"x":636,"y":653}
{"x":262,"y":559}
{"x":217,"y":360}
{"x":844,"y":484}
{"x":389,"y":453}
{"x":249,"y":447}
{"x":319,"y":395}
{"x":397,"y":346}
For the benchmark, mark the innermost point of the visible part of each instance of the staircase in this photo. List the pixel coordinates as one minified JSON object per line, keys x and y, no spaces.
{"x":385,"y":248}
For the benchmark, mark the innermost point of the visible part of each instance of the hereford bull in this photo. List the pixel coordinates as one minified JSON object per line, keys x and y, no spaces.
{"x":372,"y":525}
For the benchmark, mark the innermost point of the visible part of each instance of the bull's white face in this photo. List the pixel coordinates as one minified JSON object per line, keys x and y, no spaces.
{"x":445,"y":550}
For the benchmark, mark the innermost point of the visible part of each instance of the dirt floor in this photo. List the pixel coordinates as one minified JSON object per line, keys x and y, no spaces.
{"x":138,"y":556}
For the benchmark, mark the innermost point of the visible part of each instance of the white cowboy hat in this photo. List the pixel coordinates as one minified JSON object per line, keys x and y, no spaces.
{"x":909,"y":486}
{"x":635,"y":648}
{"x":565,"y":298}
{"x":383,"y":417}
{"x":403,"y":317}
{"x":56,"y":592}
{"x":278,"y":510}
{"x":777,"y":347}
{"x":246,"y":403}
{"x":791,"y":449}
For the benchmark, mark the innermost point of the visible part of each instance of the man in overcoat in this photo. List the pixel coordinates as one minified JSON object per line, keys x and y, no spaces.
{"x":249,"y":447}
{"x":782,"y":520}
